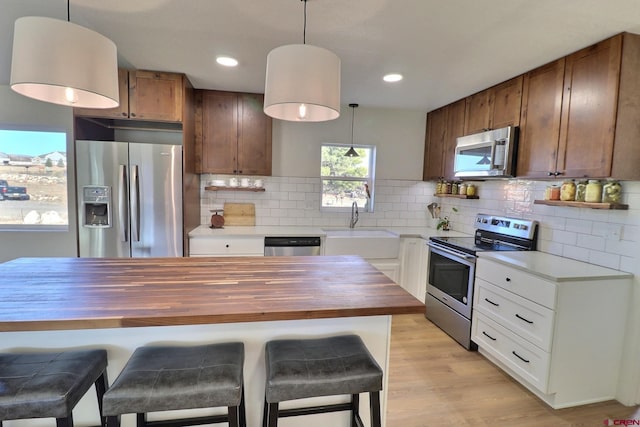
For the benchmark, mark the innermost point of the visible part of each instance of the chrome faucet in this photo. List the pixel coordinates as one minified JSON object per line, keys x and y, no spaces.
{"x":354,"y":215}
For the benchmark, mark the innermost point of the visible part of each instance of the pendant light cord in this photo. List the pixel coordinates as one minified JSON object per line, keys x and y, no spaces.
{"x":304,"y":29}
{"x":68,"y":10}
{"x":353,"y":113}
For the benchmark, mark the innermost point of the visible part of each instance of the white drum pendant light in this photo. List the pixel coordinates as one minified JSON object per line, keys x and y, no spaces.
{"x":64,"y":63}
{"x":302,"y":82}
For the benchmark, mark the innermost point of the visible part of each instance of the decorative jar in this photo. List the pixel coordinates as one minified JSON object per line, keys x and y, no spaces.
{"x":552,"y":192}
{"x":611,"y":192}
{"x":471,"y":190}
{"x":593,"y":193}
{"x":581,"y":189}
{"x":568,"y":191}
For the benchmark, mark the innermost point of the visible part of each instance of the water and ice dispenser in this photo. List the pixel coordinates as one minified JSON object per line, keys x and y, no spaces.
{"x":97,"y":206}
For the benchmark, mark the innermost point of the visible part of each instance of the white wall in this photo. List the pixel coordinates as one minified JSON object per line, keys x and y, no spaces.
{"x":17,"y":110}
{"x":397,"y":134}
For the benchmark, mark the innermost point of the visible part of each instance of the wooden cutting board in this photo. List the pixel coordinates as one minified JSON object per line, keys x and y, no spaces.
{"x":239,"y":214}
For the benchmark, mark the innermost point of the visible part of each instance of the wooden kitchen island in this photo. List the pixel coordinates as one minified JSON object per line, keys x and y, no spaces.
{"x":120,"y":304}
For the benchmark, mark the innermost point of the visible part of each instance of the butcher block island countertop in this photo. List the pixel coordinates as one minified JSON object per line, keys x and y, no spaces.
{"x":89,"y":293}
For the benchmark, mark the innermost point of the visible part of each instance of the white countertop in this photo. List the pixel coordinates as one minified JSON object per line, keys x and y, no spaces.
{"x":275,"y":231}
{"x":553,"y":267}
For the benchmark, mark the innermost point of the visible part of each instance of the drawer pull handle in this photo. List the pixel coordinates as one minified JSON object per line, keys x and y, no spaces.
{"x":524,"y":320}
{"x":492,"y":303}
{"x":488,"y":336}
{"x":520,"y":357}
{"x":508,"y":279}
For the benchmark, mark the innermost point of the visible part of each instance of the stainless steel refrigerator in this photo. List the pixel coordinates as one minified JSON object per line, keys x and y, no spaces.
{"x":129,"y":199}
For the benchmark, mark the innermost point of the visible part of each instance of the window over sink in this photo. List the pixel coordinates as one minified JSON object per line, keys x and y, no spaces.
{"x":33,"y":179}
{"x":347,"y":179}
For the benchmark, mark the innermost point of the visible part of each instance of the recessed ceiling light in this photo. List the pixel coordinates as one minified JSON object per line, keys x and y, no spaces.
{"x":394,"y":77}
{"x":227,"y":61}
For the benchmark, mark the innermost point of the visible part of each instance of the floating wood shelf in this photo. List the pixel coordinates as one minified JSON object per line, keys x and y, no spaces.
{"x":457,"y":196}
{"x":254,"y":189}
{"x":617,"y":206}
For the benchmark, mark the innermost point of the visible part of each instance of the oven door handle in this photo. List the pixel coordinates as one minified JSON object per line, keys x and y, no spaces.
{"x":453,"y":252}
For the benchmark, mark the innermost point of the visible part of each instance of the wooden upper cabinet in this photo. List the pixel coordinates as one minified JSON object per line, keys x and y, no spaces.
{"x":145,"y":95}
{"x":455,"y":128}
{"x":444,"y":125}
{"x":494,"y":108}
{"x":121,"y":111}
{"x":589,"y":109}
{"x":233,"y":134}
{"x":155,"y":95}
{"x":540,"y":120}
{"x":507,"y":103}
{"x":477,"y":117}
{"x":594,"y":131}
{"x":254,"y":136}
{"x":434,"y":144}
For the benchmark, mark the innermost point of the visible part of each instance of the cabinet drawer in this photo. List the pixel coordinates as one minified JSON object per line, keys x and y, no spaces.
{"x":531,"y":321}
{"x":519,"y":282}
{"x":217,"y":246}
{"x":522,"y":357}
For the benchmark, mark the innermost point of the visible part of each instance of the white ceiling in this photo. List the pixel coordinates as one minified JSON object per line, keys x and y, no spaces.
{"x":446,"y":49}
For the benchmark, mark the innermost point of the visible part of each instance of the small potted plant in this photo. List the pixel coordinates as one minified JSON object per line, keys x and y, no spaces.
{"x":443,"y":224}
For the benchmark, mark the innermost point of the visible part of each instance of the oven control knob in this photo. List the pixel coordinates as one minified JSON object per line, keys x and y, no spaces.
{"x":516,"y":226}
{"x":524,"y":227}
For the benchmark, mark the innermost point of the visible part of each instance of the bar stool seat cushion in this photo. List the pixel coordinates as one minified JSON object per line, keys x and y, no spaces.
{"x":43,"y":385}
{"x":304,"y":368}
{"x":163,"y":378}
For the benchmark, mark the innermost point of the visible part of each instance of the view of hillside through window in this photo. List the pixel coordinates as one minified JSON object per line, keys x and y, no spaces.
{"x":33,"y":178}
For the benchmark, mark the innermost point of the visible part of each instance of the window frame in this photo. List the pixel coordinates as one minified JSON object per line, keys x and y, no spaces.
{"x":8,"y":227}
{"x":370,"y":179}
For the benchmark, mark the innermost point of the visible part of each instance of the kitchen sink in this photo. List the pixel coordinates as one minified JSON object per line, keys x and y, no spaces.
{"x":367,"y":243}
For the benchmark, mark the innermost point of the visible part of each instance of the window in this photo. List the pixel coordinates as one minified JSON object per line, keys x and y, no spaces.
{"x":33,"y":179}
{"x":347,"y":179}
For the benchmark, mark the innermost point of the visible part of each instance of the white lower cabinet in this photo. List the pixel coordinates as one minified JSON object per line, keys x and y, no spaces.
{"x":389,"y":267}
{"x":414,"y":258}
{"x":562,"y":339}
{"x":226,"y":246}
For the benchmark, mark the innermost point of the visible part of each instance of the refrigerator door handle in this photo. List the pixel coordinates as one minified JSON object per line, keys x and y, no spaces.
{"x":123,"y":203}
{"x":135,"y":204}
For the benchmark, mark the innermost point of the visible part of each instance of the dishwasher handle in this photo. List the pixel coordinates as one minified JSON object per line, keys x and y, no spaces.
{"x":291,"y":241}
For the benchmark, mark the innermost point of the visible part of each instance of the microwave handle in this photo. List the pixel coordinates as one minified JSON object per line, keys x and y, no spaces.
{"x":493,"y":154}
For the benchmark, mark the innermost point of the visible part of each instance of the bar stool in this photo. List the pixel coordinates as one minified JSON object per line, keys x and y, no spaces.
{"x":164,"y":378}
{"x":49,"y":385}
{"x":301,"y":368}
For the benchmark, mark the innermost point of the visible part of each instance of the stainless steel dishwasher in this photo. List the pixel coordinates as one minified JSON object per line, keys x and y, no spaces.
{"x":291,"y":246}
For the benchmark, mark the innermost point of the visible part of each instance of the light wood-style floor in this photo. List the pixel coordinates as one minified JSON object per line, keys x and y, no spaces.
{"x":433,"y":381}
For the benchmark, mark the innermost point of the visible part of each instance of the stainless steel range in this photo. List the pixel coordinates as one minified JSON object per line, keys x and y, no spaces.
{"x":452,"y":265}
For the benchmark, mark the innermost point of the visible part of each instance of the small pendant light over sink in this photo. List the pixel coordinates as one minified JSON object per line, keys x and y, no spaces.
{"x":352,"y":152}
{"x":63,"y":63}
{"x":302,"y":82}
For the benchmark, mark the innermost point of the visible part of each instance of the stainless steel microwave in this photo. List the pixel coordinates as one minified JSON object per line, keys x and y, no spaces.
{"x":487,"y":154}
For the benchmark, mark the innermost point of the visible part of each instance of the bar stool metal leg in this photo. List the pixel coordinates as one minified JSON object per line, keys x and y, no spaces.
{"x":374,"y":398}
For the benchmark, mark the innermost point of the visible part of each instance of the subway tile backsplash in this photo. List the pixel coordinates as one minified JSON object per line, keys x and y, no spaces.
{"x":610,"y":238}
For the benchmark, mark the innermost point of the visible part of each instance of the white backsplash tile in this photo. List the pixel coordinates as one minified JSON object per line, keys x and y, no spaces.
{"x":603,"y":237}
